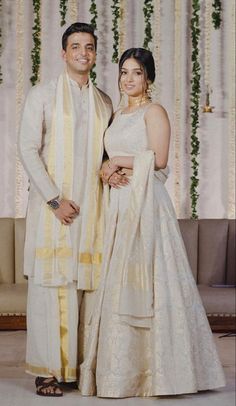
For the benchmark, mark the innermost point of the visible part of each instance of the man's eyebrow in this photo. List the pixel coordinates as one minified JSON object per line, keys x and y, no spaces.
{"x":77,"y":43}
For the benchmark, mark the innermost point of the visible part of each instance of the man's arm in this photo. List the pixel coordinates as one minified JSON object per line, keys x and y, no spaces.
{"x":30,"y":142}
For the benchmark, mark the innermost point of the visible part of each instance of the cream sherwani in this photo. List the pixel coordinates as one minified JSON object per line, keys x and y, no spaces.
{"x":52,"y":313}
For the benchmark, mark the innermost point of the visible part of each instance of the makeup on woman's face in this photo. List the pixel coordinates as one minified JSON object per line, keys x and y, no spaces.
{"x":132,"y":78}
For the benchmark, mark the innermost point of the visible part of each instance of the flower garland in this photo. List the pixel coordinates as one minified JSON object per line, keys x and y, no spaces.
{"x":93,"y":22}
{"x":63,"y":11}
{"x":35,"y":53}
{"x":72,"y":10}
{"x":115,"y":28}
{"x":216,"y":14}
{"x":122,"y":28}
{"x":231,"y":121}
{"x":147,"y":11}
{"x":20,"y":176}
{"x":156,"y":48}
{"x":94,"y":13}
{"x":194,"y":107}
{"x":1,"y":80}
{"x":177,"y":109}
{"x":207,"y":29}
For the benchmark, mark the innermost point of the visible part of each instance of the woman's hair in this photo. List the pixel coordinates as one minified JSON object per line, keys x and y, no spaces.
{"x":78,"y":27}
{"x":144,"y":59}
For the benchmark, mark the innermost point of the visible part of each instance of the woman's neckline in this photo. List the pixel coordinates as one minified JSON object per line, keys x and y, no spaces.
{"x":135,"y":111}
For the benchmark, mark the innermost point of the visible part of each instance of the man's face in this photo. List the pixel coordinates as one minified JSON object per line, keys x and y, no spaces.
{"x":80,"y":54}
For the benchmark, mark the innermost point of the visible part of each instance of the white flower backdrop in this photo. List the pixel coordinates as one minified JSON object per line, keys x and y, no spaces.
{"x":171,"y":45}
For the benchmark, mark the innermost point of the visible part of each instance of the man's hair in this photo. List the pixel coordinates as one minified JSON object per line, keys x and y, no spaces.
{"x":78,"y":27}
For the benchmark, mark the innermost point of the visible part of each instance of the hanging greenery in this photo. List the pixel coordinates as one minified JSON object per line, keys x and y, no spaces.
{"x":93,"y":22}
{"x":35,"y":53}
{"x":1,"y":80}
{"x":147,"y":11}
{"x":115,"y":28}
{"x":94,"y":13}
{"x":195,"y":98}
{"x":63,"y":11}
{"x":216,"y":14}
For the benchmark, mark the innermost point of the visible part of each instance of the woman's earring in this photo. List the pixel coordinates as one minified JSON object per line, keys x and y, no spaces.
{"x":149,"y":91}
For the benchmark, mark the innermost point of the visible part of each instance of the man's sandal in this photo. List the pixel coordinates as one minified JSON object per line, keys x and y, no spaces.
{"x":42,"y":383}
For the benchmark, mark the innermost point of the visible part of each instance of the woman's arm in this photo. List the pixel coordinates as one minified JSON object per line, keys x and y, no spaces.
{"x":158,"y":133}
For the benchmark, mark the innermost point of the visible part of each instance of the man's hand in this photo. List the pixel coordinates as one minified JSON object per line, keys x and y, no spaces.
{"x":67,"y":211}
{"x":108,"y":168}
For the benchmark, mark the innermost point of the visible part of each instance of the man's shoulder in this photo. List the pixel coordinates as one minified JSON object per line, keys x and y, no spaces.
{"x":42,"y":90}
{"x":105,"y":96}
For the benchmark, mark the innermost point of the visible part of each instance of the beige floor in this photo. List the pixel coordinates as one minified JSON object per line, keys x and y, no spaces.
{"x":17,"y":388}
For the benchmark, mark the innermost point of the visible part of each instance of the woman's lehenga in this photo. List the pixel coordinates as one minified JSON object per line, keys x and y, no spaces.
{"x":172,"y":352}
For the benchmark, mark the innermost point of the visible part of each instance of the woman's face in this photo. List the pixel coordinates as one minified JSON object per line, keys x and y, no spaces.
{"x":132,"y":79}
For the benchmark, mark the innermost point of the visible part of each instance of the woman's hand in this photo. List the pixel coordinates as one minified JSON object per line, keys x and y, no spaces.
{"x":107,"y":170}
{"x":118,"y":179}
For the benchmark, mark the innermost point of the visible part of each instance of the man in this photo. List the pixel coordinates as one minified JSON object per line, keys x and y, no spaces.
{"x":61,"y":147}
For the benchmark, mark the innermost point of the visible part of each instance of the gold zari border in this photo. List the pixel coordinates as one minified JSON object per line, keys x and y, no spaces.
{"x":87,"y":258}
{"x":71,"y":373}
{"x":45,"y":253}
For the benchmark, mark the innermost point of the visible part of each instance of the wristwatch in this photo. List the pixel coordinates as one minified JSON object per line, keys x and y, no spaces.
{"x":54,"y":204}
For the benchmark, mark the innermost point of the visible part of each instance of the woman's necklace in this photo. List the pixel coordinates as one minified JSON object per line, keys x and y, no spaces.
{"x":138,"y":102}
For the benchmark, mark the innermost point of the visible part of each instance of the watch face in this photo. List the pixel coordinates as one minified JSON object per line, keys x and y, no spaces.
{"x":54,"y":204}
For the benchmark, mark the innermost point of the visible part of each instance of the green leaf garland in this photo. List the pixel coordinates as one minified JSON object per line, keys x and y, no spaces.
{"x":63,"y":11}
{"x":93,"y":22}
{"x":35,"y":53}
{"x":115,"y":28}
{"x":147,"y":11}
{"x":94,"y":13}
{"x":216,"y":14}
{"x":194,"y":107}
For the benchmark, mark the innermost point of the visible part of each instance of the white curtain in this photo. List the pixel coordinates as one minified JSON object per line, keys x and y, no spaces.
{"x":172,"y":51}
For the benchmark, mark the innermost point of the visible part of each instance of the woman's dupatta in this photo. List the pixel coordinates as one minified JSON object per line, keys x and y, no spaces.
{"x":136,"y":292}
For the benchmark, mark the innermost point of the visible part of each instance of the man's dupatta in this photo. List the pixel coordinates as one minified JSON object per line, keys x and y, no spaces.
{"x":54,"y":255}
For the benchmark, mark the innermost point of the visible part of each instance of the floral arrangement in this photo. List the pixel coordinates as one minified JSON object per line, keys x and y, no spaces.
{"x":194,"y":107}
{"x":147,"y":11}
{"x":35,"y":53}
{"x":115,"y":28}
{"x":93,"y":22}
{"x":63,"y":11}
{"x":216,"y":14}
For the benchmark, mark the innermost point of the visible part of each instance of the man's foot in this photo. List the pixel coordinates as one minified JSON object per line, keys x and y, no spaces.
{"x":47,"y":387}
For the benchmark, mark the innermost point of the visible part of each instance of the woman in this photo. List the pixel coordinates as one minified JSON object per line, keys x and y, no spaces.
{"x":149,"y":333}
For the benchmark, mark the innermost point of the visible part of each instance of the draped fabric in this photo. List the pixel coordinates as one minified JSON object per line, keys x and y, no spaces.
{"x":54,"y":254}
{"x":137,"y":247}
{"x":216,"y":132}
